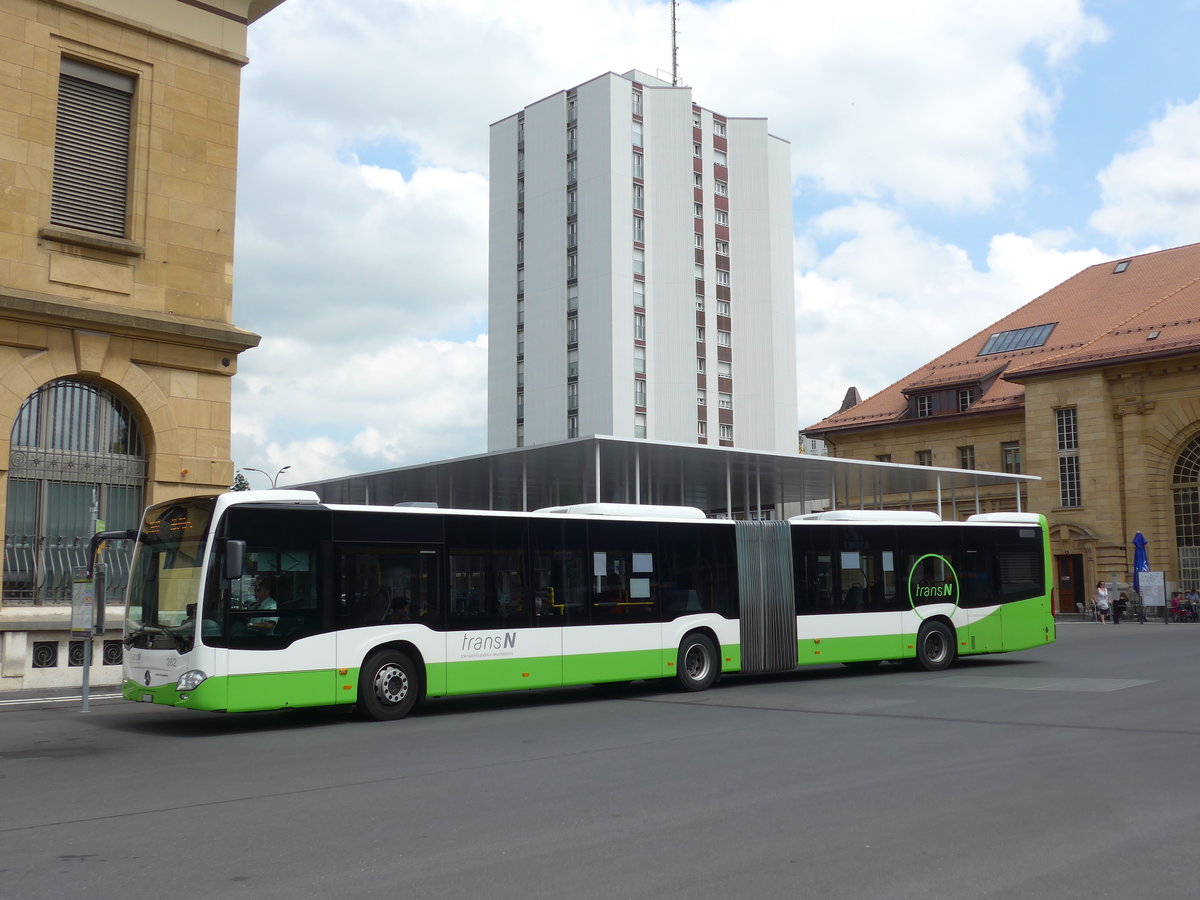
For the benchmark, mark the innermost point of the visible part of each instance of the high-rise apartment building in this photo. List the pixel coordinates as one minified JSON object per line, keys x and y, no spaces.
{"x":640,"y":272}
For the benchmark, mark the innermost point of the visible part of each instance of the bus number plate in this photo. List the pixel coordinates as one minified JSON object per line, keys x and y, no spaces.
{"x":147,"y":698}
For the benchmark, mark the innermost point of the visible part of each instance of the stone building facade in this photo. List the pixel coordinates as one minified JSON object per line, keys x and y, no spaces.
{"x":118,"y":155}
{"x":1094,"y":387}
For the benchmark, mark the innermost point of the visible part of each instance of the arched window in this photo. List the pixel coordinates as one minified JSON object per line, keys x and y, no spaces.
{"x":77,"y":458}
{"x":1185,"y":488}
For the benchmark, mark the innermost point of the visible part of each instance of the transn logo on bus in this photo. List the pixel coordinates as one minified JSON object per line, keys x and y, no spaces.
{"x":944,"y":590}
{"x":506,"y":641}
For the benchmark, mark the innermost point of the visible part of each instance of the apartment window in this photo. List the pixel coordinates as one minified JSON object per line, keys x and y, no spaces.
{"x":699,"y":270}
{"x":722,"y":217}
{"x":724,"y":370}
{"x":720,"y":158}
{"x":721,"y":189}
{"x":637,"y":134}
{"x":520,"y":221}
{"x":700,"y":334}
{"x":520,"y":435}
{"x":572,"y":426}
{"x":572,"y":238}
{"x":520,"y":281}
{"x":698,"y":211}
{"x":1067,"y":428}
{"x":1010,"y":453}
{"x":572,"y":171}
{"x":966,"y":399}
{"x":639,"y":425}
{"x":700,"y":366}
{"x":723,"y":277}
{"x":725,"y":401}
{"x":639,"y":197}
{"x":520,"y":314}
{"x":722,"y":248}
{"x":639,"y":392}
{"x":700,"y":302}
{"x":696,"y":149}
{"x":573,"y":330}
{"x":701,"y":428}
{"x":572,"y":108}
{"x":572,"y":298}
{"x":572,"y":146}
{"x":695,"y":119}
{"x":639,"y":261}
{"x":520,"y":190}
{"x":701,"y":398}
{"x":521,"y":251}
{"x":718,"y":128}
{"x":639,"y":294}
{"x":924,"y":406}
{"x":966,"y":457}
{"x":572,"y":364}
{"x":727,"y":432}
{"x":639,"y":229}
{"x":724,"y":339}
{"x":520,"y":344}
{"x":637,"y":165}
{"x":520,"y":161}
{"x":520,"y":406}
{"x":520,"y":377}
{"x":639,"y":327}
{"x":924,"y":457}
{"x":572,"y":266}
{"x":639,"y":360}
{"x":697,"y":180}
{"x":698,"y":241}
{"x":90,"y":188}
{"x":572,"y":203}
{"x":637,"y":102}
{"x":573,"y":396}
{"x":883,"y":457}
{"x":722,"y":307}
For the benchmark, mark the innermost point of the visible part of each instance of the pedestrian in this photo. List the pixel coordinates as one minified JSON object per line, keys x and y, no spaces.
{"x":1101,"y":603}
{"x":1118,"y":609}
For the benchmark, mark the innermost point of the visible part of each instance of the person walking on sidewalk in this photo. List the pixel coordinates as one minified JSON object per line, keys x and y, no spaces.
{"x":1101,"y":603}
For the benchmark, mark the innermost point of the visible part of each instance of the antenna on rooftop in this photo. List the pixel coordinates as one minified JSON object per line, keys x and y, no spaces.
{"x":674,"y":48}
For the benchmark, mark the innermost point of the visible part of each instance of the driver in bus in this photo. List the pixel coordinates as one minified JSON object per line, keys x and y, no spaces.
{"x":262,"y":600}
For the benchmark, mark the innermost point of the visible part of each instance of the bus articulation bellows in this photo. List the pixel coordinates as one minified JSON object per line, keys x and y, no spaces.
{"x":266,"y":600}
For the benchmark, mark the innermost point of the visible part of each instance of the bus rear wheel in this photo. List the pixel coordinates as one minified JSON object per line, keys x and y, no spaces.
{"x":935,"y":646}
{"x":388,"y":686}
{"x":697,"y":665}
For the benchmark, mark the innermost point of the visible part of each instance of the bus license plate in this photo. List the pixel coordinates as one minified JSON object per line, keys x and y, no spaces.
{"x":147,"y":698}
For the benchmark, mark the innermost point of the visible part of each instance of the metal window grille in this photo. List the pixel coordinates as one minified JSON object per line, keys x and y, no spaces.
{"x":1068,"y":481}
{"x":74,"y":446}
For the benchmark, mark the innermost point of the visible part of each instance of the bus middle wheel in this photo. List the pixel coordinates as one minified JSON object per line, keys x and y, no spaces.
{"x":697,"y":665}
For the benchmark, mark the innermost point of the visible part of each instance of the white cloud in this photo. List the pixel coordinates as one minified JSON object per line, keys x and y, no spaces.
{"x":888,"y":299}
{"x":1153,"y":191}
{"x":414,"y":401}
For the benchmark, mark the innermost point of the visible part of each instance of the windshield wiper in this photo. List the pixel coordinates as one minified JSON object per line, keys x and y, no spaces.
{"x":181,"y":642}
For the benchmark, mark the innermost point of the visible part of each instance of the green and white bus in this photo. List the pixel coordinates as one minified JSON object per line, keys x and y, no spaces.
{"x":266,"y":600}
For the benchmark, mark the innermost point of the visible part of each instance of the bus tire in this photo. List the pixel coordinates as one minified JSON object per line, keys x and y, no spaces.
{"x":388,"y":686}
{"x":935,"y":646}
{"x":697,"y":666}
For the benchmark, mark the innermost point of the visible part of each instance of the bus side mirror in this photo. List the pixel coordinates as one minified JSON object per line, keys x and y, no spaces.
{"x":235,"y":555}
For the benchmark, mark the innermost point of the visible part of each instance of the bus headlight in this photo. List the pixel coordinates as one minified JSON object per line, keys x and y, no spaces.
{"x":190,"y":680}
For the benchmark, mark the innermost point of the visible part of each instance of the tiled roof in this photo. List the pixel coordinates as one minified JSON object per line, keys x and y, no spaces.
{"x":1101,"y":317}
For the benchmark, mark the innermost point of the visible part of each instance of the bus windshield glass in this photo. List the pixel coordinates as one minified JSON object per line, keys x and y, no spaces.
{"x":165,"y":578}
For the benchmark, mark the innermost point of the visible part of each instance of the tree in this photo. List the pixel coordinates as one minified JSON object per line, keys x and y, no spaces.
{"x":240,"y":483}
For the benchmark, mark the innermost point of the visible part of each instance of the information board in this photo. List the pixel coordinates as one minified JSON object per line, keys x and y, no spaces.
{"x":1154,"y":588}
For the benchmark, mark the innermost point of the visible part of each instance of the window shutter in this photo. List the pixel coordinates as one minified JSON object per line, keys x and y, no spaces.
{"x":91,"y":150}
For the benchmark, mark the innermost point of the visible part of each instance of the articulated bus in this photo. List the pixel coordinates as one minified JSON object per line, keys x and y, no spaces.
{"x":266,"y":600}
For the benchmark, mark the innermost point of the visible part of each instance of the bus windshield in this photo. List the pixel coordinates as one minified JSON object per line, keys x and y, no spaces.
{"x":164,"y":584}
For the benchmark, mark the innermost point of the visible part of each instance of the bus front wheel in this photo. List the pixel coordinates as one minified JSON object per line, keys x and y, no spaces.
{"x":697,"y":666}
{"x":935,"y":646}
{"x":388,"y":686}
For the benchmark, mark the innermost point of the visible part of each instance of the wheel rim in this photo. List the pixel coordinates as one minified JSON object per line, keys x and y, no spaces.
{"x":391,"y":684}
{"x":935,"y":646}
{"x":696,"y":662}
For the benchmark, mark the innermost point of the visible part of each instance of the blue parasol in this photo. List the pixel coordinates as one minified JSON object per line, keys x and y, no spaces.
{"x":1141,"y":562}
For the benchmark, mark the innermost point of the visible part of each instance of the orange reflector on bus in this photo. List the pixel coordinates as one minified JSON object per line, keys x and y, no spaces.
{"x":343,"y":671}
{"x":347,"y":687}
{"x":524,"y":674}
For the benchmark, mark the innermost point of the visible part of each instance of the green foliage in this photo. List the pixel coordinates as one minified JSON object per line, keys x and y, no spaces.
{"x":240,"y":483}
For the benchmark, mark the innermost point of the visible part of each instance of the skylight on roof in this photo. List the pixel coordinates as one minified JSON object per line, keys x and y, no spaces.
{"x":1017,"y":339}
{"x":1121,"y":266}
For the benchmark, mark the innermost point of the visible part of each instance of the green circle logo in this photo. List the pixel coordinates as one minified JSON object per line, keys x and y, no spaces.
{"x":946,"y":592}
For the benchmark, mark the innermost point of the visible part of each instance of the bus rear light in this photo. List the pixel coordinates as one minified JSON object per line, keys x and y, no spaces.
{"x":190,"y":680}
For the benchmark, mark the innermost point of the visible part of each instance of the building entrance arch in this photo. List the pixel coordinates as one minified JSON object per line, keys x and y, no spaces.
{"x":1185,"y":492}
{"x":76,"y":457}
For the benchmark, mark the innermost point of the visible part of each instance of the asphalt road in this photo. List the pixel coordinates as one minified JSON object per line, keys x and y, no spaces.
{"x":1068,"y":771}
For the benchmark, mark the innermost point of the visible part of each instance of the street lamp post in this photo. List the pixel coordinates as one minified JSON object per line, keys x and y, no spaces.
{"x":274,"y":479}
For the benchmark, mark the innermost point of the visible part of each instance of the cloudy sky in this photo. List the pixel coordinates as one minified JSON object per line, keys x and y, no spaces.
{"x":951,"y":160}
